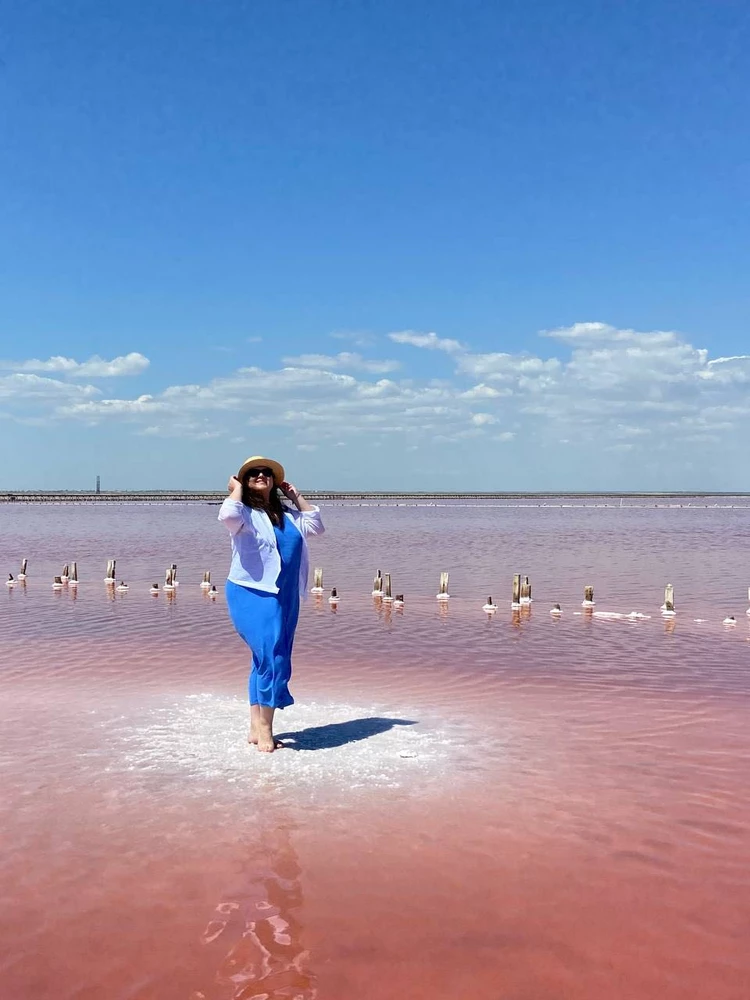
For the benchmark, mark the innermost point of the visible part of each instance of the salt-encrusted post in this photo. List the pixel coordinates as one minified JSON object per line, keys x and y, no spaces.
{"x":206,"y":582}
{"x":387,"y":589}
{"x":317,"y":587}
{"x":377,"y":585}
{"x":588,"y":598}
{"x":667,"y":608}
{"x":24,"y":565}
{"x":443,"y":594}
{"x":516,"y":599}
{"x":111,"y":566}
{"x":57,"y":583}
{"x":73,"y":577}
{"x":65,"y":575}
{"x":525,"y":591}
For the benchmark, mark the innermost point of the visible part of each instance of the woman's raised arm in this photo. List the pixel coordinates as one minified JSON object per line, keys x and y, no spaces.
{"x":311,"y":520}
{"x":231,"y":510}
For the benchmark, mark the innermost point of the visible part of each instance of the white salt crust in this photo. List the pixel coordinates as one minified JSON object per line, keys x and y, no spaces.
{"x":204,"y":737}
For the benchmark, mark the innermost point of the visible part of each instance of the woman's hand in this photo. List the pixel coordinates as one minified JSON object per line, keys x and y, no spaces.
{"x":234,"y":488}
{"x":291,"y":492}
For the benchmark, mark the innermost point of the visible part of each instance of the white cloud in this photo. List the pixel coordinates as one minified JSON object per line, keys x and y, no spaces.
{"x":620,"y":384}
{"x":596,"y":333}
{"x":506,"y":367}
{"x":431,"y":341}
{"x":356,"y":337}
{"x":40,"y":388}
{"x":483,"y":391}
{"x":345,"y":360}
{"x":616,"y":388}
{"x":95,"y":367}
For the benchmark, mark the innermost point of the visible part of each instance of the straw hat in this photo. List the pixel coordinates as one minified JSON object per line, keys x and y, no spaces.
{"x":260,"y":460}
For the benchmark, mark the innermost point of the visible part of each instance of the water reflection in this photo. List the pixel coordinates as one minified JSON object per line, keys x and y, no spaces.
{"x":258,"y":926}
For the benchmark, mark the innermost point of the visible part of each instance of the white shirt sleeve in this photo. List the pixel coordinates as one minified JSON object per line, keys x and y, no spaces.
{"x":232,"y":514}
{"x":309,"y":522}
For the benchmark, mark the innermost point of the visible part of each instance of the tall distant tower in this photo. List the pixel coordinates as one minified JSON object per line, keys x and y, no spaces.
{"x":98,"y":484}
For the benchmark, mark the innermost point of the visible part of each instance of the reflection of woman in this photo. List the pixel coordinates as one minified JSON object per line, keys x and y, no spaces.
{"x":267,"y":576}
{"x":258,"y":925}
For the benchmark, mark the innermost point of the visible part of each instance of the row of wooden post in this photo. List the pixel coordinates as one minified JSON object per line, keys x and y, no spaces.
{"x":381,"y":588}
{"x":69,"y":577}
{"x":520,"y":596}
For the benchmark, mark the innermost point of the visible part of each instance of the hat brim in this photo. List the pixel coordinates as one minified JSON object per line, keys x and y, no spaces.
{"x":276,"y":467}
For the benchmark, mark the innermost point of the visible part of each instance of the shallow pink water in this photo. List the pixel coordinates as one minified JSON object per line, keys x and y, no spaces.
{"x":511,"y":807}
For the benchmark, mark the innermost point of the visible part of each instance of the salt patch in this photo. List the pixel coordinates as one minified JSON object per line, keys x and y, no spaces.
{"x":204,"y":736}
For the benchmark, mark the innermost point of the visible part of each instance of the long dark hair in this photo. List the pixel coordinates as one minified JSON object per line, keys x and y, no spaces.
{"x":273,"y":506}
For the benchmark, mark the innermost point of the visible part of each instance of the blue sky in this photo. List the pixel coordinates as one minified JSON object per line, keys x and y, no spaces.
{"x":465,"y":245}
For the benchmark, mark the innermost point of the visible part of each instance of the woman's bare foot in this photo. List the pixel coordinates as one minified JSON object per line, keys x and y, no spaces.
{"x":266,"y":743}
{"x":261,"y":729}
{"x":253,"y":741}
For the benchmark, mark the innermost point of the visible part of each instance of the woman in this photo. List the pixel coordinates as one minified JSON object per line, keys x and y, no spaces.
{"x":267,"y":577}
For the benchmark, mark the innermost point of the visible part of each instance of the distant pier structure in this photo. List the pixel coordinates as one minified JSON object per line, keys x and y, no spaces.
{"x":516,"y":499}
{"x":98,"y":485}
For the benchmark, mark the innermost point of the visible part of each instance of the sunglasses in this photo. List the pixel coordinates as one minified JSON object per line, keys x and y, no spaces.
{"x":260,"y":471}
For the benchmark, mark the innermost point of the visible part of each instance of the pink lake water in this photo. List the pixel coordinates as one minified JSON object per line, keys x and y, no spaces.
{"x":512,"y":807}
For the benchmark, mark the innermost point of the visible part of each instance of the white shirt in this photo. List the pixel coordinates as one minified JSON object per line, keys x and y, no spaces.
{"x":255,"y":554}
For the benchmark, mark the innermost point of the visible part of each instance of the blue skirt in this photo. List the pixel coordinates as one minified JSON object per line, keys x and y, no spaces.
{"x":267,"y":623}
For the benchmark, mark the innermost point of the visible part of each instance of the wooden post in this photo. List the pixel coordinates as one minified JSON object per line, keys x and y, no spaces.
{"x":57,"y":583}
{"x":174,"y":575}
{"x":317,"y":587}
{"x":377,"y":585}
{"x":588,"y":597}
{"x":206,"y":583}
{"x":334,"y":598}
{"x":667,"y":608}
{"x":387,"y":592}
{"x":111,"y":565}
{"x":24,"y":564}
{"x":65,"y":575}
{"x":525,"y":591}
{"x":443,"y":594}
{"x":73,"y":580}
{"x":516,"y":599}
